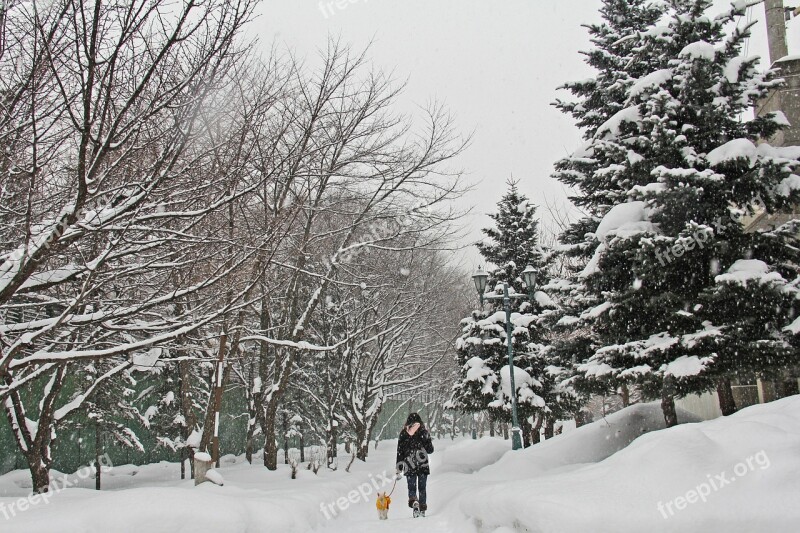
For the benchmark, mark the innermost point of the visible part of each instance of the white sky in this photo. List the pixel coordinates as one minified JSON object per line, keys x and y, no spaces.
{"x":496,"y":64}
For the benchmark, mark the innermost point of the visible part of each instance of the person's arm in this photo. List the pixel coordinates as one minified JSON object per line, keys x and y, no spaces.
{"x":427,"y":442}
{"x":400,"y":462}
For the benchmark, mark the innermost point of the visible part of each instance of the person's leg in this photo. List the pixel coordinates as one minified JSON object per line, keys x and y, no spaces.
{"x":412,"y":488}
{"x":423,"y":495}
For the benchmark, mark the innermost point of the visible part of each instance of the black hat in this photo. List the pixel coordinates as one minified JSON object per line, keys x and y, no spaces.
{"x":413,"y":418}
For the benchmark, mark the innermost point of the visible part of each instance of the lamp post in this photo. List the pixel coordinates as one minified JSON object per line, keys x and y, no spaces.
{"x":529,"y":277}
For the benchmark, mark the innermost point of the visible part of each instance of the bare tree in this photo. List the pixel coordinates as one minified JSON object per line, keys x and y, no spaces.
{"x":100,"y":204}
{"x":361,"y":178}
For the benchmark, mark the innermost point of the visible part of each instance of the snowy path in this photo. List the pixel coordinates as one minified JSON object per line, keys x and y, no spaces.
{"x":445,"y":483}
{"x":364,"y":519}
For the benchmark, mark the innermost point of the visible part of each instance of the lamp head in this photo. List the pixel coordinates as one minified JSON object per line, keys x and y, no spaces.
{"x":480,"y":278}
{"x":529,"y":277}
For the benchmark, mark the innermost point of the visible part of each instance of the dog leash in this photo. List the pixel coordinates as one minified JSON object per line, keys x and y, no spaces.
{"x":393,"y":486}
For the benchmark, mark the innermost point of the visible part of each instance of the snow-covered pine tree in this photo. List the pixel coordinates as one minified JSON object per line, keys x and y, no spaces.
{"x":602,"y":96}
{"x":619,"y":63}
{"x":513,"y":239}
{"x":173,"y":397}
{"x":108,"y":411}
{"x":513,"y":243}
{"x":684,"y":152}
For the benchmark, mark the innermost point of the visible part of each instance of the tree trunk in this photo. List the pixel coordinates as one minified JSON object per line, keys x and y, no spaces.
{"x":668,"y":402}
{"x":788,"y":387}
{"x":535,"y":433}
{"x":505,"y":431}
{"x":249,"y":445}
{"x":98,"y":451}
{"x":526,"y":432}
{"x":40,"y":474}
{"x":183,"y":463}
{"x":302,"y":449}
{"x":725,"y":395}
{"x":285,"y":427}
{"x":626,"y":395}
{"x":36,"y":447}
{"x":333,"y":443}
{"x":270,"y":444}
{"x":549,"y":428}
{"x":254,"y":403}
{"x":362,"y":450}
{"x":209,"y":441}
{"x":188,"y":412}
{"x":362,"y":443}
{"x":263,"y":373}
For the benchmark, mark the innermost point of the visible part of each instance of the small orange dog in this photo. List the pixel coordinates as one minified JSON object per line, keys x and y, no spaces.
{"x":383,"y":505}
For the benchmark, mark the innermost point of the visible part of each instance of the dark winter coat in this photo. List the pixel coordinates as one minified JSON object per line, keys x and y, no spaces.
{"x":413,"y":451}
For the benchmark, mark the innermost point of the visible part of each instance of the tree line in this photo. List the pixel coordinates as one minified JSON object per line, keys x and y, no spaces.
{"x":182,"y":215}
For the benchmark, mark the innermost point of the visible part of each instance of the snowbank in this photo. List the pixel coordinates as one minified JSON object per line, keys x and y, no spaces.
{"x":733,"y":474}
{"x":468,"y":456}
{"x":587,"y":444}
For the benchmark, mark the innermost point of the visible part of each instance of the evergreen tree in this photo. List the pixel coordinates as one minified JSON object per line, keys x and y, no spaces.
{"x":108,"y":411}
{"x":174,"y":396}
{"x":674,"y":170}
{"x":482,"y":350}
{"x":613,"y":54}
{"x":162,"y":414}
{"x":513,"y":242}
{"x":619,"y":62}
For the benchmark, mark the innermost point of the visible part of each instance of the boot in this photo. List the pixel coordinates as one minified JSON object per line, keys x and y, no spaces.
{"x":411,"y":502}
{"x":422,"y":508}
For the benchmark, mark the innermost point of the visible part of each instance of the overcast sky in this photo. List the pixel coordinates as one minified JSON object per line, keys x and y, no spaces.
{"x":496,"y":64}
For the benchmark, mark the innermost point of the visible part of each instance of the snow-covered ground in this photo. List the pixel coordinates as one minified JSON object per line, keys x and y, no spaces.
{"x":734,"y":474}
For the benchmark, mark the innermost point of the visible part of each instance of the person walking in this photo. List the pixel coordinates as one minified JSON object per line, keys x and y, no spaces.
{"x":413,"y":448}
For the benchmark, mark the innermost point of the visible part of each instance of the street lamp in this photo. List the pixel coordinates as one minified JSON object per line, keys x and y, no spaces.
{"x":529,"y":277}
{"x":480,"y":278}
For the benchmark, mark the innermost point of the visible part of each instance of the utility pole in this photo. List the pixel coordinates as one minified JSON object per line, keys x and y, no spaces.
{"x":776,"y":29}
{"x":785,"y":98}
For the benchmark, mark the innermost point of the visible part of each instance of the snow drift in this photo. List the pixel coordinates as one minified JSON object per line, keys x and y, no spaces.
{"x":746,"y":465}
